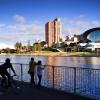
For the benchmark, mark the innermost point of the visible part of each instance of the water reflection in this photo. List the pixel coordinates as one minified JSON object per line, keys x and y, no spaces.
{"x":91,"y":62}
{"x":54,"y":61}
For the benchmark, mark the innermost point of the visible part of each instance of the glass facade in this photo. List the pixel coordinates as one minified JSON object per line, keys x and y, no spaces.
{"x":94,"y":36}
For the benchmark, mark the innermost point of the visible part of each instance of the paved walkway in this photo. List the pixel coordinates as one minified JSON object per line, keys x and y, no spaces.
{"x":30,"y":93}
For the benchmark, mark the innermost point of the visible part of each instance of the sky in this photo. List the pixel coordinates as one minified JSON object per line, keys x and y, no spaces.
{"x":24,"y":20}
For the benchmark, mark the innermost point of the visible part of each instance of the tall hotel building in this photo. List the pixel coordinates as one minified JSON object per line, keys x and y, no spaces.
{"x":53,"y":32}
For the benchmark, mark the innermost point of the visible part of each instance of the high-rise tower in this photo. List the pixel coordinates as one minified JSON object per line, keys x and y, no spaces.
{"x":53,"y":32}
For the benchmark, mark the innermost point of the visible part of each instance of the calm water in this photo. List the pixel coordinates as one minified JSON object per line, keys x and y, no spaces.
{"x":89,"y":62}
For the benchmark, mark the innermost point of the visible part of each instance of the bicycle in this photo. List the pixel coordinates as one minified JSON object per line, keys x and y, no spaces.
{"x":14,"y":88}
{"x":15,"y":84}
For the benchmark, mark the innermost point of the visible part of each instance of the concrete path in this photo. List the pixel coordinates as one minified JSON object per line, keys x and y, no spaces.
{"x":34,"y":93}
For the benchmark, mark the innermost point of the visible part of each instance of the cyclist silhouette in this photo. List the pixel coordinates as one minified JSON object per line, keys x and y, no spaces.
{"x":5,"y":74}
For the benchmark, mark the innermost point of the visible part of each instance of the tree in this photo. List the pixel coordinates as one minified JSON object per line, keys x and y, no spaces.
{"x":29,"y":46}
{"x":36,"y":47}
{"x":18,"y":46}
{"x":42,"y":43}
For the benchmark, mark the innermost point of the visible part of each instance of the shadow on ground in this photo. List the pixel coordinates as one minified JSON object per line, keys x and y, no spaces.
{"x":34,"y":93}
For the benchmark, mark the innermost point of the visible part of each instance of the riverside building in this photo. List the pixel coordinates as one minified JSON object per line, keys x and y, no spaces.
{"x":92,"y":36}
{"x":53,"y":32}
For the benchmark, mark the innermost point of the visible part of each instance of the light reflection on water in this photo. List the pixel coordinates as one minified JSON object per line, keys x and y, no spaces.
{"x":93,"y":62}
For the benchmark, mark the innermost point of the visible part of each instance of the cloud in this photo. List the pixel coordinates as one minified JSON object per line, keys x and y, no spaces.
{"x":96,"y":23}
{"x":36,"y":28}
{"x":81,"y":16}
{"x":3,"y":45}
{"x":78,"y":25}
{"x":24,"y":30}
{"x":12,"y":27}
{"x":9,"y":37}
{"x":22,"y":33}
{"x":19,"y":19}
{"x":31,"y":28}
{"x":2,"y":25}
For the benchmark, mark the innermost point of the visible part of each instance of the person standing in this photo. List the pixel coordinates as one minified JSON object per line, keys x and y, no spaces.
{"x":31,"y":71}
{"x":39,"y":72}
{"x":5,"y":74}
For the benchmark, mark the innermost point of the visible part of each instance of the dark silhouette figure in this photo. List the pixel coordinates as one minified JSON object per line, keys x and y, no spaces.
{"x":5,"y":74}
{"x":31,"y":71}
{"x":39,"y":72}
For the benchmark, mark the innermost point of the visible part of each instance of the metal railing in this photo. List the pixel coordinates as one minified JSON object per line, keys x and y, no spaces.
{"x":83,"y":81}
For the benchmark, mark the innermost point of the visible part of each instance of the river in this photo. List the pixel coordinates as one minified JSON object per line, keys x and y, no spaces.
{"x":89,"y":62}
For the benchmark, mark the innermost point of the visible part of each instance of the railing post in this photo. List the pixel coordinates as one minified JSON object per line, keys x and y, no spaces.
{"x":75,"y":80}
{"x":21,"y":72}
{"x":53,"y":76}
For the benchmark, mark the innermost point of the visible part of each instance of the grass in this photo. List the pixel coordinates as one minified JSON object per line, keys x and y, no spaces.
{"x":49,"y":53}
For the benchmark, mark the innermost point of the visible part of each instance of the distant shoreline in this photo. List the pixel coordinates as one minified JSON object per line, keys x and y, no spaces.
{"x":62,"y":54}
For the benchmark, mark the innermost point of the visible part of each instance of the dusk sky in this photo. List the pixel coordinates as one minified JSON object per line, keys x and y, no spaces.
{"x":23,"y":20}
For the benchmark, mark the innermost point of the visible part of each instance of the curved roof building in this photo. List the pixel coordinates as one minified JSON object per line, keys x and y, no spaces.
{"x":92,"y":35}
